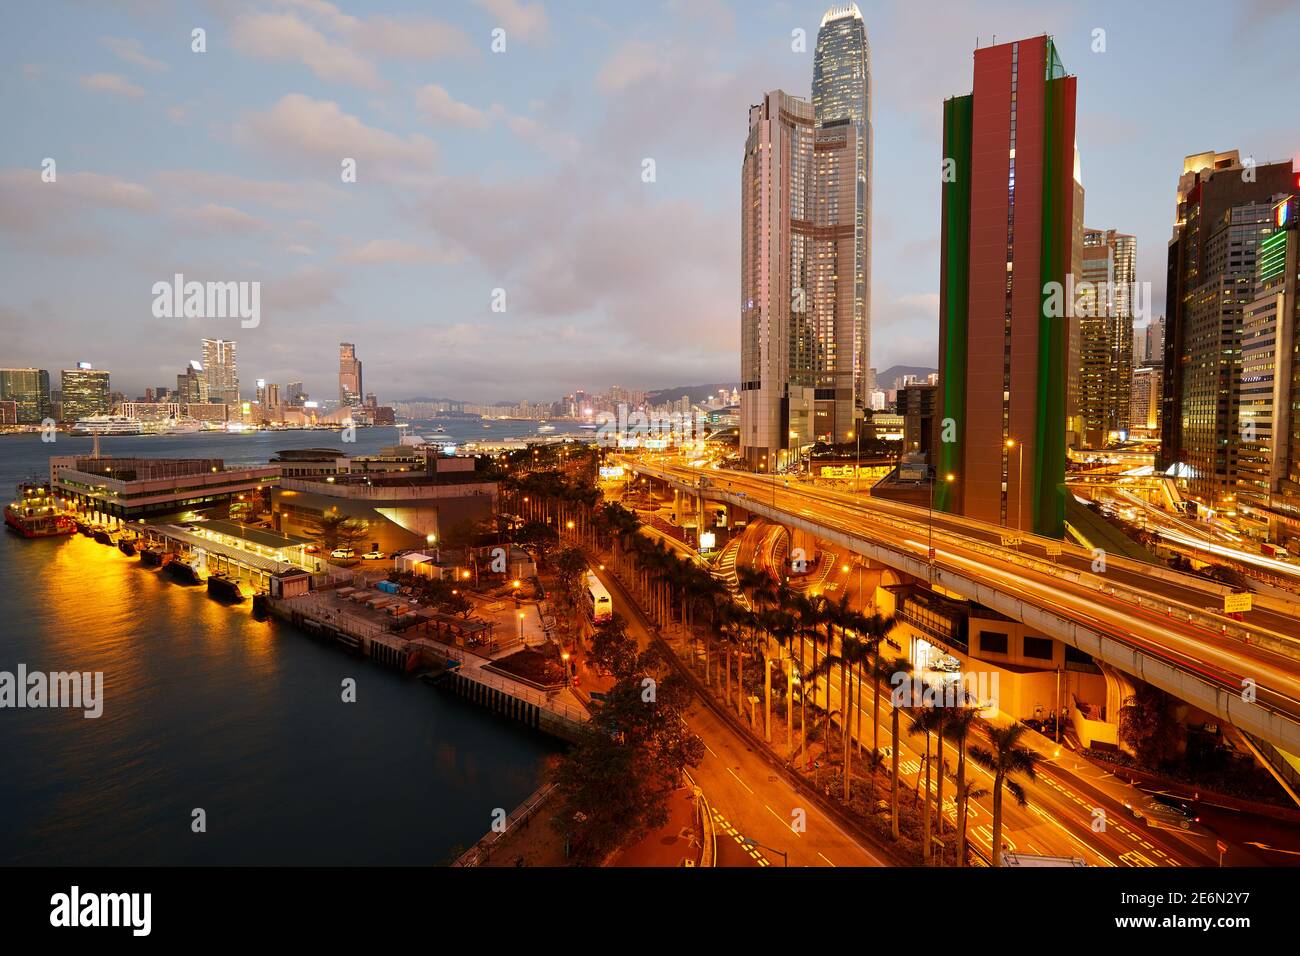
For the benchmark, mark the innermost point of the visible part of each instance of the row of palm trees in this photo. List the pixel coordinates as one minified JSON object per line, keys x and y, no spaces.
{"x":814,"y":639}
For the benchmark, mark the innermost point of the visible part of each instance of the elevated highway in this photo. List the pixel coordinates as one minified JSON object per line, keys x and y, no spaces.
{"x":1162,"y":626}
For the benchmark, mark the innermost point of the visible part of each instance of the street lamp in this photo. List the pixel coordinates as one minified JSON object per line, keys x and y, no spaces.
{"x":948,"y":479}
{"x":564,"y":656}
{"x":521,"y":627}
{"x":1020,"y":481}
{"x":857,"y":458}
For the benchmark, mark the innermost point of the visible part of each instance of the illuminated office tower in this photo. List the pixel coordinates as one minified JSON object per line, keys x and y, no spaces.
{"x":1223,"y":209}
{"x":841,"y":96}
{"x":29,"y":390}
{"x":1268,"y":466}
{"x":1008,"y":234}
{"x":1103,"y":302}
{"x":350,"y":394}
{"x":85,"y":392}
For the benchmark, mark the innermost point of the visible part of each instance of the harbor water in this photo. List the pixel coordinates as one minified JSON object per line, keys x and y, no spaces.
{"x":206,"y":708}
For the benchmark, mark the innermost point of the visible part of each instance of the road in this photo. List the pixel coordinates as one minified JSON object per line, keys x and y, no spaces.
{"x":748,"y":793}
{"x":974,"y":550}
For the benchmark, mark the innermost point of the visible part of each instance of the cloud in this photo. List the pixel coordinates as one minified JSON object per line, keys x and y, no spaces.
{"x":523,"y":21}
{"x":212,"y":218}
{"x":111,"y":83}
{"x":306,"y":289}
{"x":300,"y":127}
{"x":412,"y":38}
{"x":227,"y":189}
{"x":60,"y":218}
{"x":441,"y":107}
{"x":284,"y":37}
{"x":128,"y":50}
{"x":385,"y":251}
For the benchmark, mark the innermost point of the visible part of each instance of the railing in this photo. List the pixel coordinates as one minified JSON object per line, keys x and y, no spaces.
{"x":478,"y":854}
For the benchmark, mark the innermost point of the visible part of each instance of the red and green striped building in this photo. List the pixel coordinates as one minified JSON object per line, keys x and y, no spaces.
{"x":1008,"y":234}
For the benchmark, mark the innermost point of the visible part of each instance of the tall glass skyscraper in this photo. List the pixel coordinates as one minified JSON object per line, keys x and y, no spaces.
{"x":841,"y":94}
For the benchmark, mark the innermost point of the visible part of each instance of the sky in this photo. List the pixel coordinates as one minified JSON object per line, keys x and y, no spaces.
{"x":522,"y":170}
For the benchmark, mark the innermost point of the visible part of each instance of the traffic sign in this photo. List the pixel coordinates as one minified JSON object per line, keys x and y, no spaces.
{"x":1237,"y":603}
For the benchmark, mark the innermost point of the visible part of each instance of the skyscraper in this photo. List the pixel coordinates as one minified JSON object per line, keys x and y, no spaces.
{"x":350,"y":393}
{"x":805,"y":234}
{"x":29,"y":390}
{"x":1105,"y":308}
{"x":1268,"y":468}
{"x":192,"y":385}
{"x":1144,"y":402}
{"x":85,"y":392}
{"x":1223,"y":208}
{"x":220,"y":371}
{"x":1007,"y":245}
{"x":841,"y":95}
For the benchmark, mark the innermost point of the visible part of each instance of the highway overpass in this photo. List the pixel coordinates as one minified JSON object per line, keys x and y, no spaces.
{"x":1146,"y":620}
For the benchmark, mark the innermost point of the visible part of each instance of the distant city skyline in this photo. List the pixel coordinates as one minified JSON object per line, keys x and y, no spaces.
{"x":225,"y":166}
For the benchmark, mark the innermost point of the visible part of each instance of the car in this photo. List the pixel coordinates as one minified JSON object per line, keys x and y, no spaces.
{"x":1164,"y":811}
{"x":312,"y":549}
{"x":373,"y":556}
{"x":343,"y":553}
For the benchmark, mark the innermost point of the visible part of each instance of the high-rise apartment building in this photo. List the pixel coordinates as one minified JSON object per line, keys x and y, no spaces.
{"x":805,"y":244}
{"x":350,"y":393}
{"x":85,"y":392}
{"x":1224,"y":207}
{"x":220,"y":371}
{"x":1104,"y":305}
{"x":294,"y":394}
{"x":1008,"y":243}
{"x":29,"y":390}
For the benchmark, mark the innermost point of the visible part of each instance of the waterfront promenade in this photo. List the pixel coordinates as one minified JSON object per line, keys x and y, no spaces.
{"x":474,"y":673}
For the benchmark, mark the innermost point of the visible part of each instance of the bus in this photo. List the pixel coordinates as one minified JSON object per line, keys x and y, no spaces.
{"x":600,"y":608}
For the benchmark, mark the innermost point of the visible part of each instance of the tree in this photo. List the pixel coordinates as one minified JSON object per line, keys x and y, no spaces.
{"x":899,"y":665}
{"x":957,"y":730}
{"x":1006,"y":761}
{"x":1147,"y":725}
{"x":612,"y":649}
{"x":538,"y":538}
{"x":614,"y":784}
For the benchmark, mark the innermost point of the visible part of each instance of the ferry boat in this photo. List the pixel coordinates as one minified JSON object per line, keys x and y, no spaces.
{"x":34,"y":514}
{"x":126,"y":546}
{"x":107,"y":425}
{"x":224,"y":589}
{"x":183,"y":572}
{"x":545,"y":429}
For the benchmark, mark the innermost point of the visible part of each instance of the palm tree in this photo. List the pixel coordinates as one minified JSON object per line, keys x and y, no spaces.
{"x":874,"y":629}
{"x":1006,"y":761}
{"x":927,"y":719}
{"x":853,"y":652}
{"x":899,"y":664}
{"x":957,"y":730}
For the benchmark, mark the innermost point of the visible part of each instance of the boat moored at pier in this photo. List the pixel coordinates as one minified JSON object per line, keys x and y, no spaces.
{"x":34,"y":512}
